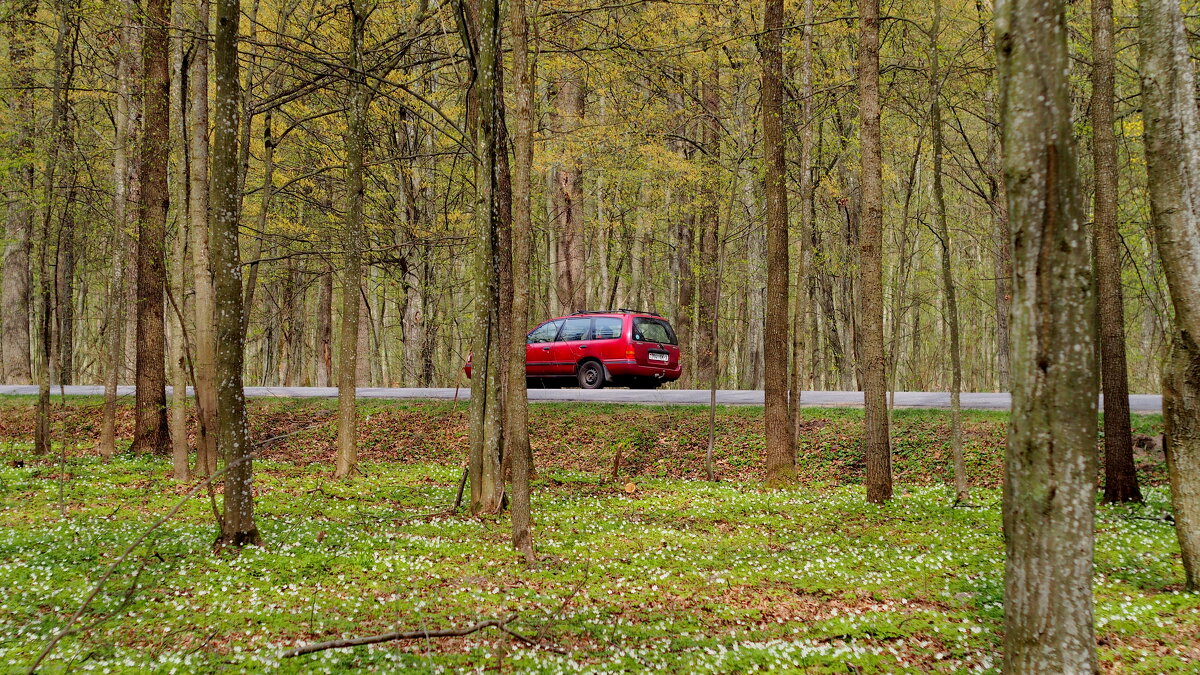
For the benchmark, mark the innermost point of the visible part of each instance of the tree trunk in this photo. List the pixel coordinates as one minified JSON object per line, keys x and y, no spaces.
{"x":516,"y":426}
{"x":799,"y":349}
{"x":15,"y":297}
{"x":1050,"y":483}
{"x":347,"y":450}
{"x":124,"y":182}
{"x":1173,"y":178}
{"x":567,"y":197}
{"x":198,"y":214}
{"x":486,"y":413}
{"x":237,"y":521}
{"x":873,"y":358}
{"x":781,"y":454}
{"x":961,"y":490}
{"x":177,"y":348}
{"x":709,"y":221}
{"x":150,"y":405}
{"x":325,"y":329}
{"x":1120,"y":476}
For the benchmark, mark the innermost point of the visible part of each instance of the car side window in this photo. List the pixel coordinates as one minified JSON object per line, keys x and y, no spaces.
{"x":544,"y":333}
{"x":574,"y":330}
{"x":606,"y":328}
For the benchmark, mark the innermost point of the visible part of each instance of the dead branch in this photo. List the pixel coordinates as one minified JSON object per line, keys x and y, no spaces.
{"x":397,"y":635}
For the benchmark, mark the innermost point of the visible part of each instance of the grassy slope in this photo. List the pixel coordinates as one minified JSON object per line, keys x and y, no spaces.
{"x":678,"y":575}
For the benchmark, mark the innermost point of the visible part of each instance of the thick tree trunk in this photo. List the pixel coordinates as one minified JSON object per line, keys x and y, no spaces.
{"x":15,"y":300}
{"x":1050,"y":484}
{"x":1173,"y":178}
{"x":516,"y":425}
{"x":198,"y":214}
{"x":1120,"y":476}
{"x":347,"y":448}
{"x":150,"y":405}
{"x":237,"y":521}
{"x":871,"y":352}
{"x":781,"y":454}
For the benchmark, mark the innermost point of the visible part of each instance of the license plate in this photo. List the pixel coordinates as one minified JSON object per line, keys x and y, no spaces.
{"x":658,"y":357}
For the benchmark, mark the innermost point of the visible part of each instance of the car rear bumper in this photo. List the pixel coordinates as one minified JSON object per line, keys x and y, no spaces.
{"x":619,"y":369}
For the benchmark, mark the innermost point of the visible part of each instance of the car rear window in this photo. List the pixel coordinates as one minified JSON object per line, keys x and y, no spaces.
{"x":606,"y":328}
{"x":653,"y":330}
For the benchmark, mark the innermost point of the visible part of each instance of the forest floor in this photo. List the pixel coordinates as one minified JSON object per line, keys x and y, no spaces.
{"x":656,"y":570}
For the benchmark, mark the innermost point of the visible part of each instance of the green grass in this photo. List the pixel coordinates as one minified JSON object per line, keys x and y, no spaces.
{"x":677,"y":576}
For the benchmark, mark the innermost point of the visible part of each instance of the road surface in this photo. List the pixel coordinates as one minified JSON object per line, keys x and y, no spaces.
{"x":1138,"y":403}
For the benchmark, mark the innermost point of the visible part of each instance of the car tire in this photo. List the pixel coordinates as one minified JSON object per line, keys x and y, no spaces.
{"x":591,"y":375}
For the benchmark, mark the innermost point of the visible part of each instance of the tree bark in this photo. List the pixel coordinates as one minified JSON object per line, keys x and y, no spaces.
{"x":15,"y":297}
{"x":961,"y":489}
{"x":1049,"y":490}
{"x":872,"y":355}
{"x":709,"y":221}
{"x":237,"y":521}
{"x":516,"y":426}
{"x":800,"y":349}
{"x":1120,"y":476}
{"x":567,"y":198}
{"x":347,"y":449}
{"x":1173,"y":177}
{"x":325,"y":329}
{"x":198,"y":214}
{"x":486,"y":413}
{"x":150,"y":405}
{"x":781,"y":454}
{"x":177,"y":347}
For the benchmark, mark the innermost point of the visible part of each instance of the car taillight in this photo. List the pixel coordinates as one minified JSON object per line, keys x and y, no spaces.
{"x":630,"y":354}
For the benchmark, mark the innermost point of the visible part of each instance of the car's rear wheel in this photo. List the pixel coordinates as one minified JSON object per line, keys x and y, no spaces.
{"x":591,"y":375}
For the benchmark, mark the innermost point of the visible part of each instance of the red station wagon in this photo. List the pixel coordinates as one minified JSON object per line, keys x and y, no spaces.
{"x":623,"y":347}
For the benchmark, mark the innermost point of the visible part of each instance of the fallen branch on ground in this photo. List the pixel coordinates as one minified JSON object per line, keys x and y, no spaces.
{"x":398,"y":635}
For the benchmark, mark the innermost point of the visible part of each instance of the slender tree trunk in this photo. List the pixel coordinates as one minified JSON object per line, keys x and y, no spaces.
{"x":486,"y":414}
{"x":177,"y":348}
{"x":1050,"y":483}
{"x":517,"y":407}
{"x":151,"y":432}
{"x":781,"y":454}
{"x":347,"y":450}
{"x":237,"y":522}
{"x":570,"y":258}
{"x":15,"y":297}
{"x":1173,"y":178}
{"x":874,"y":361}
{"x":198,"y":214}
{"x":961,"y":489}
{"x":124,"y":114}
{"x":1120,"y":476}
{"x":325,"y":329}
{"x":803,"y":281}
{"x":710,"y":222}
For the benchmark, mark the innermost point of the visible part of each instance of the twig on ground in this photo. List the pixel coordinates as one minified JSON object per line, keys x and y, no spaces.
{"x":587,"y":566}
{"x":396,"y":635}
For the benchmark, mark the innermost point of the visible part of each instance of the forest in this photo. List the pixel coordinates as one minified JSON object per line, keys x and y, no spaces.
{"x":928,"y":196}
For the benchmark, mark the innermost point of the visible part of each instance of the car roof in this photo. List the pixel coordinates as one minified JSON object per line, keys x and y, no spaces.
{"x":614,"y":312}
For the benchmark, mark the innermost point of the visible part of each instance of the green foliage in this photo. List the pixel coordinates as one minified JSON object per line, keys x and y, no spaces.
{"x":674,"y":575}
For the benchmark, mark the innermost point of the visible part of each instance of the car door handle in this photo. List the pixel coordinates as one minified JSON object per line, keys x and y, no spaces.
{"x":545,"y":349}
{"x":583,"y":346}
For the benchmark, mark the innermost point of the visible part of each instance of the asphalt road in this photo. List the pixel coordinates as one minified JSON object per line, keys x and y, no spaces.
{"x":1138,"y":403}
